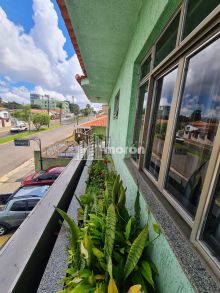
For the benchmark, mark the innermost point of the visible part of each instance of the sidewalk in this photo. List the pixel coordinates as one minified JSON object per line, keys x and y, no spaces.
{"x":11,"y":181}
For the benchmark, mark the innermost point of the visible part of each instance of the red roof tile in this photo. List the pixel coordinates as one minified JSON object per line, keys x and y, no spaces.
{"x":100,"y":121}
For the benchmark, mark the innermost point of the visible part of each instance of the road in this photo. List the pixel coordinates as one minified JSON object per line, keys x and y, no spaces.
{"x":11,"y":157}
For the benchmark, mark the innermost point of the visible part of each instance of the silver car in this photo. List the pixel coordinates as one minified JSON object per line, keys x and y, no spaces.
{"x":19,"y":206}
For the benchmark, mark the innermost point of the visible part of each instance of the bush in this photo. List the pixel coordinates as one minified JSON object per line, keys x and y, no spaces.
{"x":40,"y":119}
{"x":108,"y":246}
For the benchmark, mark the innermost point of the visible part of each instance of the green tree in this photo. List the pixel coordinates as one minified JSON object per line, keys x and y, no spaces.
{"x":40,"y":119}
{"x":87,"y":110}
{"x":74,"y":108}
{"x":24,"y":114}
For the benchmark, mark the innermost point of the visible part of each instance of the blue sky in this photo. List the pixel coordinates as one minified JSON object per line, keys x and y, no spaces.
{"x":36,"y":52}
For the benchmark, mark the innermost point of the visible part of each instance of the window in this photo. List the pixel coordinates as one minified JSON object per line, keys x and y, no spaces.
{"x":211,"y":233}
{"x":32,"y":203}
{"x":167,"y":42}
{"x":139,"y":121}
{"x":197,"y":11}
{"x":47,"y":176}
{"x":145,"y":68}
{"x":116,"y":107}
{"x":161,"y":109}
{"x":196,"y":127}
{"x":180,"y":166}
{"x":19,"y":206}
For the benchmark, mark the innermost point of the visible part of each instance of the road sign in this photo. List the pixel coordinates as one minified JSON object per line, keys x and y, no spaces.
{"x":22,"y":142}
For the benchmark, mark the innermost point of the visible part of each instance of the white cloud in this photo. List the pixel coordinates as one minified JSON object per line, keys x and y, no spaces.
{"x":38,"y":57}
{"x":46,"y":33}
{"x":164,"y":102}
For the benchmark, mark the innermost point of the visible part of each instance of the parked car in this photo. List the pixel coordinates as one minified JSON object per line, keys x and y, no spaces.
{"x":19,"y":127}
{"x":43,"y":177}
{"x":19,"y":205}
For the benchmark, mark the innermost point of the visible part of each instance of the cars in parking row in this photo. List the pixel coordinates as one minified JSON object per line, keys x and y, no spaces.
{"x":16,"y":206}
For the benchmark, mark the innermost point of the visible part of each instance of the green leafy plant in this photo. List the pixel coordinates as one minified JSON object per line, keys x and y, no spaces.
{"x":108,"y":247}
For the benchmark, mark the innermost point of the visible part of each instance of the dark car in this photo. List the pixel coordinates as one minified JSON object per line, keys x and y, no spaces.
{"x":43,"y":177}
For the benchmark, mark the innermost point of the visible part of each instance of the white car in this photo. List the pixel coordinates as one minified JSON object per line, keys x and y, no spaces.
{"x":19,"y":127}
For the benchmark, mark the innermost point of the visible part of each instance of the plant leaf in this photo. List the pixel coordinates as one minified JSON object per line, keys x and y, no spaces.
{"x":135,"y":289}
{"x":135,"y":252}
{"x":137,"y":209}
{"x":147,"y":272}
{"x":115,"y":189}
{"x":128,"y":229}
{"x":110,"y":231}
{"x":122,"y":198}
{"x":156,"y":229}
{"x":109,"y":267}
{"x":112,"y":288}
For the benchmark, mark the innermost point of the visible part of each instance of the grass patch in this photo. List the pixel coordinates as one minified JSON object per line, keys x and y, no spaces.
{"x":26,"y":133}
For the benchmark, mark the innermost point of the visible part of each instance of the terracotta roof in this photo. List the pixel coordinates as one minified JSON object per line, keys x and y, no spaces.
{"x":72,"y":35}
{"x":38,"y":111}
{"x":100,"y":121}
{"x":45,"y":111}
{"x":202,"y":124}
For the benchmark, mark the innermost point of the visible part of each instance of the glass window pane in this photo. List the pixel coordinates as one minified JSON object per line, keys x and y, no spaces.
{"x":19,"y":206}
{"x":139,"y":121}
{"x":211,"y":234}
{"x":145,"y":68}
{"x":116,"y":107}
{"x":196,"y":127}
{"x":167,"y":42}
{"x":197,"y":11}
{"x":164,"y":94}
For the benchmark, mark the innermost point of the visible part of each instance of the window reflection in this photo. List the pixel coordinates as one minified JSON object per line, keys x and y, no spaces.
{"x":164,"y":95}
{"x":196,"y":127}
{"x":167,"y":42}
{"x":211,"y":233}
{"x":197,"y":11}
{"x":145,"y":68}
{"x":139,"y":121}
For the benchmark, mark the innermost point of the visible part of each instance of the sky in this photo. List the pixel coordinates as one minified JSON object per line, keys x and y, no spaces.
{"x":36,"y":53}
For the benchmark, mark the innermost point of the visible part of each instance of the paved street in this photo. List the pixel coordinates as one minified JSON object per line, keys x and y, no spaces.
{"x":11,"y":157}
{"x":11,"y":181}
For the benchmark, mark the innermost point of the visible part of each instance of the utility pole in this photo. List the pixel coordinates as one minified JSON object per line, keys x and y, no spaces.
{"x":48,"y":108}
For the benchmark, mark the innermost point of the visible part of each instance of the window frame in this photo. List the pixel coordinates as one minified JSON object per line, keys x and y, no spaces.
{"x":145,"y":81}
{"x":152,"y":116}
{"x":206,"y":32}
{"x":117,"y":99}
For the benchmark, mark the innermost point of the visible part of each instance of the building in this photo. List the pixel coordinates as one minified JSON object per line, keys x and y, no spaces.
{"x":137,"y":56}
{"x":42,"y":101}
{"x":4,"y":117}
{"x":143,"y":51}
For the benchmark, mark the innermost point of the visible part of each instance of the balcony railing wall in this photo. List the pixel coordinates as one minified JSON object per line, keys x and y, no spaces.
{"x":24,"y":258}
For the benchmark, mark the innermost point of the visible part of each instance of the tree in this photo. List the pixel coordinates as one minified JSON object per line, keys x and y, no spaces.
{"x":27,"y":115}
{"x":74,"y":108}
{"x":60,"y":106}
{"x":40,"y":119}
{"x":87,"y":110}
{"x":196,"y":115}
{"x":24,"y":114}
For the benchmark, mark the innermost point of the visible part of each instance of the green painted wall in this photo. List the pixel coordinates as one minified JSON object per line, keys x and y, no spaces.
{"x":99,"y":130}
{"x":154,"y":15}
{"x":49,"y":162}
